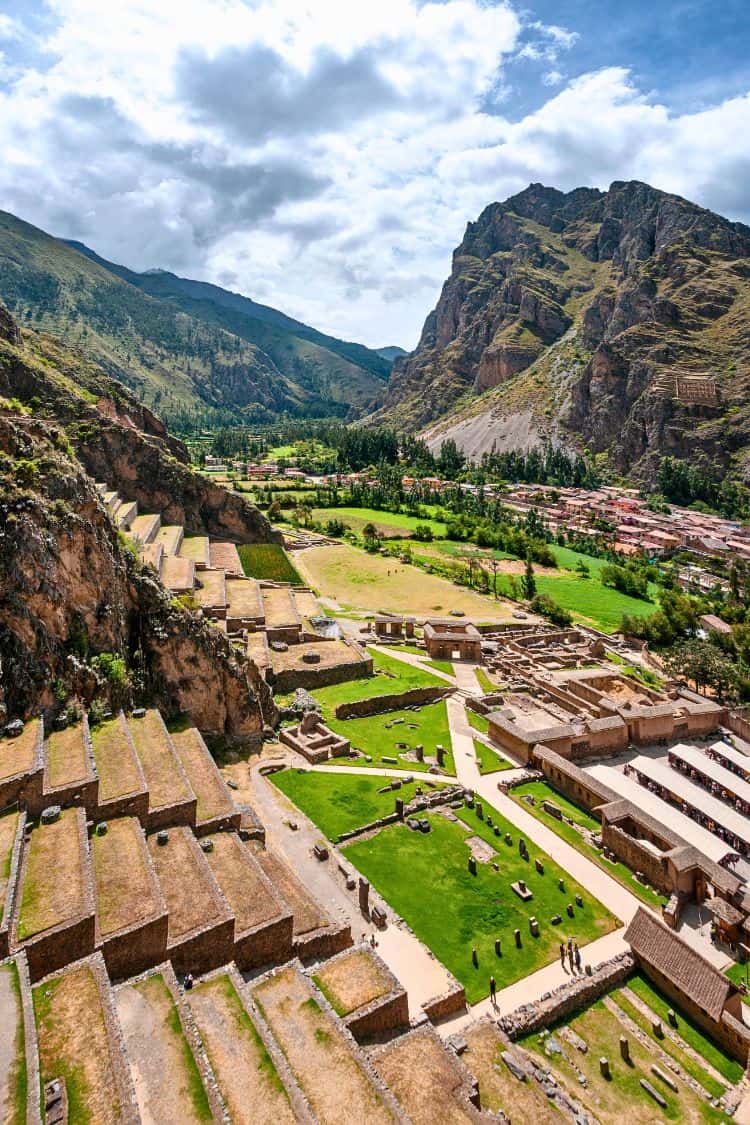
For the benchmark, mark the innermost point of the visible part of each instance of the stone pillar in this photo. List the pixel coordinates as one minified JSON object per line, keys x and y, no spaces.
{"x":624,"y":1049}
{"x":440,"y":754}
{"x":364,"y":896}
{"x":604,"y":1067}
{"x":400,"y":808}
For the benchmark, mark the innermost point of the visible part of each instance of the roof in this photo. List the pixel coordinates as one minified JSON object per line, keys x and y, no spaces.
{"x":679,"y":963}
{"x":711,"y":621}
{"x":724,"y":910}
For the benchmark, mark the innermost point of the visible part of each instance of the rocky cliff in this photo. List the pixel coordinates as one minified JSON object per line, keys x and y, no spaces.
{"x":612,"y":321}
{"x":70,"y":588}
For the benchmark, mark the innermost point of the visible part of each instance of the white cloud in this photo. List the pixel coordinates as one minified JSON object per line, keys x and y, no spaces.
{"x":323,"y":157}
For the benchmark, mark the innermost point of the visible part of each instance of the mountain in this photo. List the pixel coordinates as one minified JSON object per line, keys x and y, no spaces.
{"x":70,"y":588}
{"x":391,"y":353}
{"x":614,"y":322}
{"x":184,"y":348}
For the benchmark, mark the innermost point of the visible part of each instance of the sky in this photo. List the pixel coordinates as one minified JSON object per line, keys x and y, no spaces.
{"x":324,"y":157}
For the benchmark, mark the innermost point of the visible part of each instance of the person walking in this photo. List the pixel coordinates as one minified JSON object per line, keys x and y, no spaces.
{"x":570,"y":956}
{"x":562,"y":954}
{"x":577,"y":953}
{"x":493,"y":992}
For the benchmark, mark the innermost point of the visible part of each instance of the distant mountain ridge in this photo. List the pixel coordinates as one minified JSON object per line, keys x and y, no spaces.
{"x":185,"y":348}
{"x":613,"y":322}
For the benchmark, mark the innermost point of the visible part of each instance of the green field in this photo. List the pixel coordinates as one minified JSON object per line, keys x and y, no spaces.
{"x":426,"y":880}
{"x":485,"y":682}
{"x":541,"y":791}
{"x":690,"y":1032}
{"x":339,"y":802}
{"x":390,"y":524}
{"x":478,"y":722}
{"x":374,"y":735}
{"x":391,"y":676}
{"x":488,"y":760}
{"x":588,"y":600}
{"x":269,"y":561}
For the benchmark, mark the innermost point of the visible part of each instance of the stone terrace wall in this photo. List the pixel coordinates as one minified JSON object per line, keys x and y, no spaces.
{"x":381,"y":704}
{"x":568,"y":999}
{"x":448,"y":1003}
{"x":317,"y":677}
{"x":10,"y":891}
{"x":325,"y":942}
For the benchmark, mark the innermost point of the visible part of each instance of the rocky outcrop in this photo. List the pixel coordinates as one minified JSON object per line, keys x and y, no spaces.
{"x":582,"y":308}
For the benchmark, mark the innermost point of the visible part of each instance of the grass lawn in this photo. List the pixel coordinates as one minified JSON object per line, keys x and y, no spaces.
{"x":391,"y":524}
{"x":488,"y":760}
{"x":485,"y":682}
{"x":569,"y":559}
{"x":541,"y":791}
{"x":715,"y":1089}
{"x":441,"y":666}
{"x":588,"y":599}
{"x":478,"y":722}
{"x":390,"y":677}
{"x":740,"y":974}
{"x":710,"y":1051}
{"x":339,"y":802}
{"x":267,"y":560}
{"x":621,"y":1097}
{"x":426,"y":880}
{"x":373,"y":735}
{"x":376,"y":583}
{"x":636,"y":671}
{"x":413,"y":650}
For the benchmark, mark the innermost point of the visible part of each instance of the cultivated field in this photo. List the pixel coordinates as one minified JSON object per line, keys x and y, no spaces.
{"x":190,"y":895}
{"x":357,"y":580}
{"x":389,"y":524}
{"x":321,"y":1058}
{"x":269,"y":561}
{"x":53,"y":885}
{"x":241,"y":881}
{"x":249,"y":1081}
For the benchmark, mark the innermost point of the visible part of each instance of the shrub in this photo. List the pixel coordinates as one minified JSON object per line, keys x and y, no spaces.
{"x":544,"y":605}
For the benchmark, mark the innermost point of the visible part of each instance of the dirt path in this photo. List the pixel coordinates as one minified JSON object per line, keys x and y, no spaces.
{"x":10,"y":1016}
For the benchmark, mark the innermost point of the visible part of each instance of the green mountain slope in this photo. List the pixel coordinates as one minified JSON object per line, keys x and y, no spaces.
{"x":204,"y":361}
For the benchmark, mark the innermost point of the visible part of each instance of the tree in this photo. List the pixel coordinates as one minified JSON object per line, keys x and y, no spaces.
{"x":546,"y":607}
{"x":494,"y":566}
{"x":702,"y":663}
{"x":529,"y":581}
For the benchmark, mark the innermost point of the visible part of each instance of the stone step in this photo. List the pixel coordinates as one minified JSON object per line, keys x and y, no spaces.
{"x":177,"y":574}
{"x":173,"y":1078}
{"x":153,"y":553}
{"x":244,"y":603}
{"x":171,"y":799}
{"x":126,"y":514}
{"x":170,"y":537}
{"x":195,"y":548}
{"x":122,"y":784}
{"x":145,"y":528}
{"x":211,"y":592}
{"x":225,"y":556}
{"x":111,"y":500}
{"x":80,"y":1041}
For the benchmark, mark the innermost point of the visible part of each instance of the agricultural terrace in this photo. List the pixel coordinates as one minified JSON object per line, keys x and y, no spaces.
{"x":395,"y":734}
{"x":621,"y":1097}
{"x":194,"y":547}
{"x":577,"y":829}
{"x":13,"y":1076}
{"x":54,"y":878}
{"x":17,"y":755}
{"x":8,"y":828}
{"x":374,"y":583}
{"x":116,"y":763}
{"x":205,"y":780}
{"x":241,"y":881}
{"x":473,"y":911}
{"x":279,"y":606}
{"x":269,"y":561}
{"x":153,"y":745}
{"x":246,"y":1073}
{"x":170,"y":1087}
{"x":67,"y":759}
{"x":351,"y":981}
{"x":321,"y":1057}
{"x":340,"y":802}
{"x":189,"y":891}
{"x":125,"y":891}
{"x":499,"y":1091}
{"x":74,"y":1045}
{"x":309,"y":915}
{"x":390,"y":677}
{"x":389,"y":524}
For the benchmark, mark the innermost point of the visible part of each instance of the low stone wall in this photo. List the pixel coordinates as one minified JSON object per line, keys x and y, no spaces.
{"x":33,"y":1083}
{"x":11,"y":888}
{"x":172,"y":816}
{"x":568,"y":999}
{"x":136,"y":804}
{"x":325,"y":942}
{"x":317,"y":677}
{"x":417,"y":805}
{"x":637,"y":856}
{"x":381,"y":704}
{"x":267,"y":944}
{"x":448,"y":1003}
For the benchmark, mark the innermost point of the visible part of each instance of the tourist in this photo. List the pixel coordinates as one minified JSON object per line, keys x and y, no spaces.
{"x":570,"y":956}
{"x":578,"y":958}
{"x":493,"y":992}
{"x":188,"y":981}
{"x":562,"y":954}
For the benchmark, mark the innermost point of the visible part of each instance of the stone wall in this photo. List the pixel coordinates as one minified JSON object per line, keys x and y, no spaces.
{"x":325,"y":942}
{"x":448,"y":1003}
{"x":317,"y":677}
{"x":568,"y":998}
{"x":11,"y":887}
{"x":137,"y":948}
{"x":381,"y":704}
{"x":739,"y":722}
{"x":572,"y":781}
{"x":268,"y":944}
{"x":637,"y":856}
